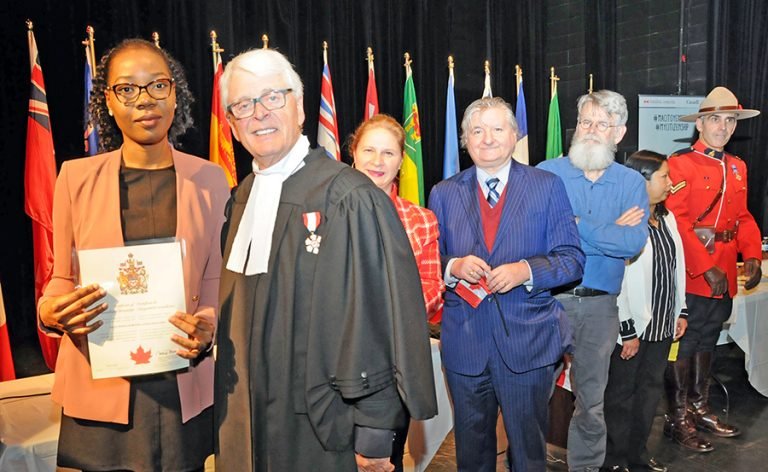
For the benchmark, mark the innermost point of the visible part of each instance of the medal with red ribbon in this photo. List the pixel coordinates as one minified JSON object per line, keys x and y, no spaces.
{"x":312,"y":221}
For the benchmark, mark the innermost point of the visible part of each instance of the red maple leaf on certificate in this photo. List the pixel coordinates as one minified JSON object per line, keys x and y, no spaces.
{"x":141,"y":356}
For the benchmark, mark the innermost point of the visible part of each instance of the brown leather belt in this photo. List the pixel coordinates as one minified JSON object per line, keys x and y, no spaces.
{"x":725,"y":236}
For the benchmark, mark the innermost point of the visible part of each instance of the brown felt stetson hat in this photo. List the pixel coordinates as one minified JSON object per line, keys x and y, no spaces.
{"x":721,"y":100}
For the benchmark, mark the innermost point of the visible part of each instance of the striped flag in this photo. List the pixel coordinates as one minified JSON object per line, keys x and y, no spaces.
{"x":90,"y":136}
{"x":554,"y":134}
{"x":371,"y":96}
{"x":328,"y":127}
{"x":220,"y":147}
{"x":521,"y":149}
{"x":451,"y":149}
{"x":7,"y":371}
{"x":39,"y":182}
{"x":412,"y":171}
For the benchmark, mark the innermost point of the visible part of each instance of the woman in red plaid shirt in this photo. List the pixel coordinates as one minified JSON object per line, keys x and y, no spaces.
{"x":377,"y":148}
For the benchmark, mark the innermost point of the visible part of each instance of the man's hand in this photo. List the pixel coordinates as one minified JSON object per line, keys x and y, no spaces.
{"x":629,"y":348}
{"x":508,"y":276}
{"x":631,"y":217}
{"x":368,"y":464}
{"x":682,"y":325}
{"x":717,"y":280}
{"x":753,"y":272}
{"x":470,"y":268}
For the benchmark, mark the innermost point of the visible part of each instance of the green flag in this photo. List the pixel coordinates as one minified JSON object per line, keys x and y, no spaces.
{"x":412,"y":170}
{"x":554,"y":135}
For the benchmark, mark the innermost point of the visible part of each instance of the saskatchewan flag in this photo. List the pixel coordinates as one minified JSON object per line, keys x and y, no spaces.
{"x":554,"y":135}
{"x":412,"y":170}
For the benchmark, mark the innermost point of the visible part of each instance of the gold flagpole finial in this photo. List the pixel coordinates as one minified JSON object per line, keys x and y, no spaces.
{"x":215,"y":49}
{"x":325,"y":52}
{"x":450,"y":63}
{"x":552,"y":82}
{"x":407,"y":63}
{"x":487,"y":66}
{"x":30,"y":25}
{"x":590,"y":84}
{"x":90,"y":48}
{"x":518,"y":78}
{"x":156,"y":38}
{"x":264,"y":41}
{"x":369,"y":55}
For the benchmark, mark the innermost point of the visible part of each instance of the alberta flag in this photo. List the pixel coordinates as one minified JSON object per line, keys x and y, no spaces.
{"x":554,"y":135}
{"x":328,"y":128}
{"x":412,"y":171}
{"x":451,"y":150}
{"x":521,"y":149}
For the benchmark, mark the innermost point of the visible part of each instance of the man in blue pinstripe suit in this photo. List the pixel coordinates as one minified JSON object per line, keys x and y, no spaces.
{"x":511,"y":226}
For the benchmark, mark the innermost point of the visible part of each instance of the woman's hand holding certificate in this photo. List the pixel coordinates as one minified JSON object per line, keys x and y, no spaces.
{"x":200,"y":333}
{"x":70,"y":313}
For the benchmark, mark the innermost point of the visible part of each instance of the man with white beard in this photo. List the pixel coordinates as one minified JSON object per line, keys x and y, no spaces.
{"x":609,"y":202}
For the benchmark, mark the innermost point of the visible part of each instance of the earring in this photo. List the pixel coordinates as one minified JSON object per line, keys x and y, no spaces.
{"x":109,"y":111}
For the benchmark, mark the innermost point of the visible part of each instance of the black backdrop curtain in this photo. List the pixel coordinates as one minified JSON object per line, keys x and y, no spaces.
{"x":738,"y":59}
{"x":512,"y":32}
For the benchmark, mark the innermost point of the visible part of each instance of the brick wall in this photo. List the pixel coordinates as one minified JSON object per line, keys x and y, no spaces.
{"x":647,"y":41}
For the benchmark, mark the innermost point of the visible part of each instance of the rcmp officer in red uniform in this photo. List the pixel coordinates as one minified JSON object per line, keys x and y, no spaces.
{"x":709,"y":199}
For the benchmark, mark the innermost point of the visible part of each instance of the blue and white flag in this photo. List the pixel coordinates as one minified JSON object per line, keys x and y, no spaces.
{"x":451,"y":151}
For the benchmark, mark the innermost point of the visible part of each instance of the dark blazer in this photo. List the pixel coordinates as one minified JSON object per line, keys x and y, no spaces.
{"x":537,"y":225}
{"x":355,"y":341}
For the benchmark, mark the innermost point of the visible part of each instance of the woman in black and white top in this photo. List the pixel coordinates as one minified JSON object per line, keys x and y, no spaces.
{"x":652,"y":313}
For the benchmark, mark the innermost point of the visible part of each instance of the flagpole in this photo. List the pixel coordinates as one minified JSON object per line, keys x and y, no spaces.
{"x":407,"y":64}
{"x":89,"y":44}
{"x":518,"y":78}
{"x":264,"y":41}
{"x":156,"y":39}
{"x":450,"y":65}
{"x":590,"y":84}
{"x":552,"y":82}
{"x":325,"y":52}
{"x":215,"y":50}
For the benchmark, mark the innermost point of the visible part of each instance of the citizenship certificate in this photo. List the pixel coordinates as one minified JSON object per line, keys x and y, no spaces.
{"x":145,"y":286}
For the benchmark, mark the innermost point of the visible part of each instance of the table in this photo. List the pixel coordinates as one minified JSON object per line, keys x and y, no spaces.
{"x":29,"y":425}
{"x":748,"y":328}
{"x":426,"y":437}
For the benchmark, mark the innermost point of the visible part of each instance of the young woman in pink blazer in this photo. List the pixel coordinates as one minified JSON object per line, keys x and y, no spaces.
{"x":140,"y":188}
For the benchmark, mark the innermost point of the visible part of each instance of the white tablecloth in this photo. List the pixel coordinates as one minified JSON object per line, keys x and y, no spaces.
{"x":29,"y":425}
{"x":748,"y":328}
{"x":425,"y":437}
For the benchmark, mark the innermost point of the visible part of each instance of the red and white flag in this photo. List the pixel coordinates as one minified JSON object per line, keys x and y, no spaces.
{"x":371,"y":96}
{"x":327,"y":127}
{"x":473,"y":294}
{"x":564,"y":379}
{"x":39,"y":182}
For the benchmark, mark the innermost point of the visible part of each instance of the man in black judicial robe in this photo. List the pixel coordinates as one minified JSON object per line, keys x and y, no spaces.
{"x":322,"y":341}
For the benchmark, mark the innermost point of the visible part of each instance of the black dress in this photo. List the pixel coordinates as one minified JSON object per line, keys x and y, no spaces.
{"x":155,"y":438}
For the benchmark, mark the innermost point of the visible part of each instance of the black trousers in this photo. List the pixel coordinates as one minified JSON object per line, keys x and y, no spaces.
{"x":634,"y":389}
{"x":705,"y":321}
